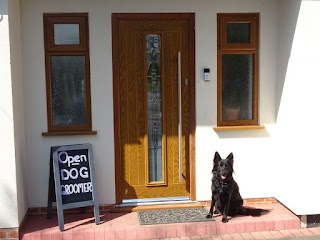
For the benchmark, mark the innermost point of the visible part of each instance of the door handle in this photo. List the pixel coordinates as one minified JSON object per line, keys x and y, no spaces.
{"x":179,"y":118}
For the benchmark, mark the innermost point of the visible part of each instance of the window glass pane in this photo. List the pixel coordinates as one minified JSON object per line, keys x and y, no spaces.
{"x":237,"y":86}
{"x":68,"y":86}
{"x":238,"y":33}
{"x":66,"y":34}
{"x":154,"y":107}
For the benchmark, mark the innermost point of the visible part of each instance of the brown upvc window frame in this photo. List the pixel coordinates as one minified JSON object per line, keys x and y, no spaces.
{"x":224,"y":48}
{"x":66,"y":50}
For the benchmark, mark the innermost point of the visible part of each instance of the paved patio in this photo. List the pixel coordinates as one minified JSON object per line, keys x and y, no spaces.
{"x":279,"y":222}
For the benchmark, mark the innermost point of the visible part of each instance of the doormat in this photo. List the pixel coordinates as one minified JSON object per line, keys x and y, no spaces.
{"x":179,"y":215}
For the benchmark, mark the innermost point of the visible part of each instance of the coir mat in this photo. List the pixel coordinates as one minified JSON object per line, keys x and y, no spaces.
{"x":180,"y":215}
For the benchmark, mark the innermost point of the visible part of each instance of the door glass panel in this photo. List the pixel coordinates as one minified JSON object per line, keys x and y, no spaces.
{"x":238,"y":33}
{"x":66,"y":34}
{"x":68,"y":89}
{"x":154,"y":108}
{"x":237,"y":86}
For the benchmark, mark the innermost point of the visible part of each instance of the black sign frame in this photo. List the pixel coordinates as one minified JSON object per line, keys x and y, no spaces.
{"x":84,"y":187}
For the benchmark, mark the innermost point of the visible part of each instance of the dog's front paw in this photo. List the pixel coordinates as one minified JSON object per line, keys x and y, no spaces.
{"x":216,"y":211}
{"x":209,"y":215}
{"x":225,"y":219}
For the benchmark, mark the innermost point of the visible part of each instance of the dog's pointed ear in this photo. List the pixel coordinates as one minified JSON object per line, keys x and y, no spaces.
{"x":216,"y":158}
{"x":230,"y":158}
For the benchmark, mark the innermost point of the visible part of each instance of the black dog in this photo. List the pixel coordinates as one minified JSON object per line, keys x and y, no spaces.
{"x":226,"y":198}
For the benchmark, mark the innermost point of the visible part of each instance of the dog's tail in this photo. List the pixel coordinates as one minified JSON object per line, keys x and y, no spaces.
{"x":255,"y":212}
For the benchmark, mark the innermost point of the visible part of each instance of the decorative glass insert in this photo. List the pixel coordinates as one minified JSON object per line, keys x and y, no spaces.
{"x":66,"y":34}
{"x":237,"y":86}
{"x":154,"y":107}
{"x":68,"y":89}
{"x":238,"y":33}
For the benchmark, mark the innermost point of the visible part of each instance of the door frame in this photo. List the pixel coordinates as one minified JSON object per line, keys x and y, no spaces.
{"x":116,"y":18}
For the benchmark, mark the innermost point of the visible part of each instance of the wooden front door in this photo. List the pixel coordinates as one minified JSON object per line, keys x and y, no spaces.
{"x":153,"y":62}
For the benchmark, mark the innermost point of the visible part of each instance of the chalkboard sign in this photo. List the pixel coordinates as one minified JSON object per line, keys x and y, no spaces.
{"x":74,"y":179}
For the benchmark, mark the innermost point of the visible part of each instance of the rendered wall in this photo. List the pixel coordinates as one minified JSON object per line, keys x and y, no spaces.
{"x":298,"y":96}
{"x":247,"y":147}
{"x":260,"y":159}
{"x":13,"y":205}
{"x":18,"y":105}
{"x":252,"y":149}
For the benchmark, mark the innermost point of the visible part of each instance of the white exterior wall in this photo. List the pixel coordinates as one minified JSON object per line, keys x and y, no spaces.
{"x":18,"y":106}
{"x":260,"y":158}
{"x":298,"y":111}
{"x":13,"y":204}
{"x":251,"y":148}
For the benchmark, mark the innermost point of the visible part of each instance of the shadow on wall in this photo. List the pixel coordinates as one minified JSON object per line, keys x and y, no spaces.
{"x":286,"y":31}
{"x":258,"y":133}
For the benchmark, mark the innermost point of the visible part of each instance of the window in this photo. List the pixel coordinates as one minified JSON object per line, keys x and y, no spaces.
{"x":67,"y":74}
{"x":238,"y":48}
